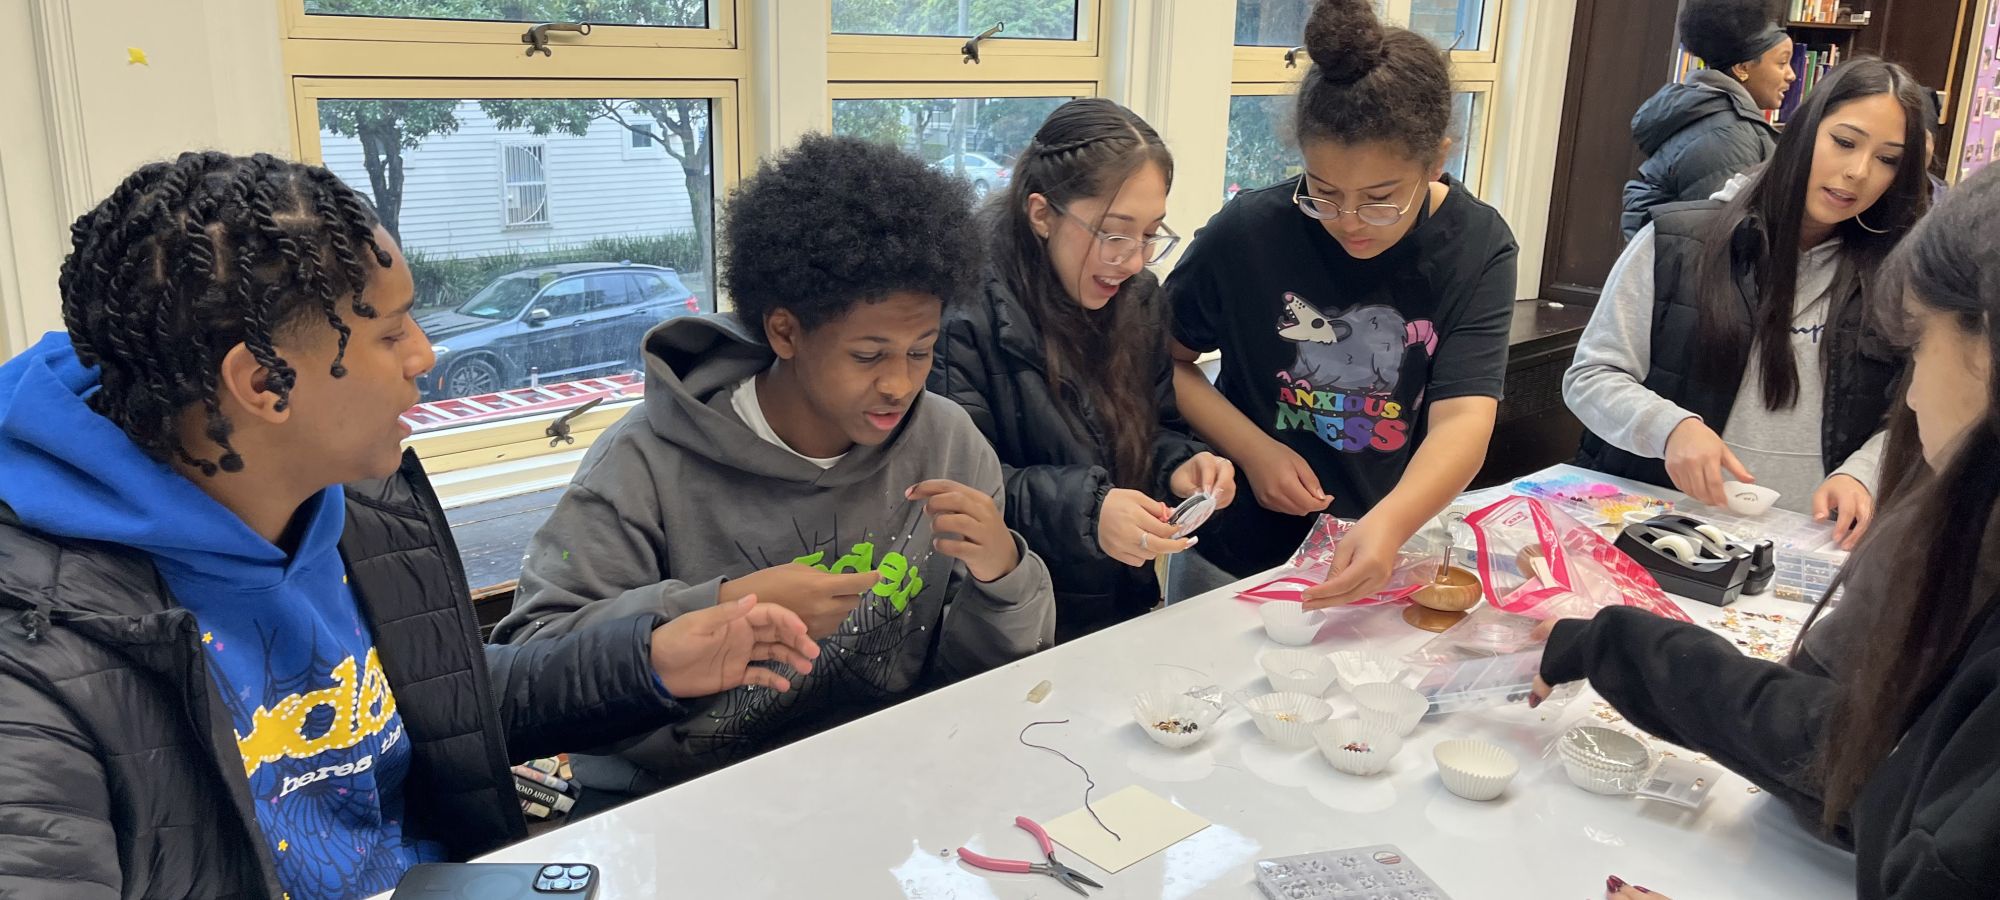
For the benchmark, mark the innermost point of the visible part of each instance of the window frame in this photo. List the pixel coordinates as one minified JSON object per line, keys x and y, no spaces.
{"x":300,"y":25}
{"x":507,"y":184}
{"x":1476,"y":160}
{"x":451,"y":449}
{"x":922,"y":59}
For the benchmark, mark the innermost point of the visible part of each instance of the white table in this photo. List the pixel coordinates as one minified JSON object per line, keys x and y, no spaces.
{"x":866,"y":810}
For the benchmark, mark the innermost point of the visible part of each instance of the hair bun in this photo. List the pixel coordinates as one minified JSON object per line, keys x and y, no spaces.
{"x":1345,"y":39}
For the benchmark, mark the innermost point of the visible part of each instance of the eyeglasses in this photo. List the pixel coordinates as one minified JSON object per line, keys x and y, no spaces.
{"x":1115,"y":249}
{"x":1377,"y":214}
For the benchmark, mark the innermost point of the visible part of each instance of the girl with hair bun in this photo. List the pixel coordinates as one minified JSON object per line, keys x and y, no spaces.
{"x":1362,"y":312}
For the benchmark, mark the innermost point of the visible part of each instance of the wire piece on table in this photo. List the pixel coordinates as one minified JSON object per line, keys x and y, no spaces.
{"x":1088,"y":782}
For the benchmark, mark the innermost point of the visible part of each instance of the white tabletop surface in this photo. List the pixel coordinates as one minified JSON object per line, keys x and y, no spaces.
{"x":870,"y":809}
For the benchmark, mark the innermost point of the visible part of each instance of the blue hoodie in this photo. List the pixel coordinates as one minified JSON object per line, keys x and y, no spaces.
{"x":316,"y":725}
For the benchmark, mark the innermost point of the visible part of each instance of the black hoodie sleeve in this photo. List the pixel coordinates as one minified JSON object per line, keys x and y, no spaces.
{"x":1687,"y":685}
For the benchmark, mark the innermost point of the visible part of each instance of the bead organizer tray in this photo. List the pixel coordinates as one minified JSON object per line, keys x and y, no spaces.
{"x":1380,"y":872}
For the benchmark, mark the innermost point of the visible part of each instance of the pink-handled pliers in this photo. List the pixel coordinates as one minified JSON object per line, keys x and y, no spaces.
{"x":1074,"y":879}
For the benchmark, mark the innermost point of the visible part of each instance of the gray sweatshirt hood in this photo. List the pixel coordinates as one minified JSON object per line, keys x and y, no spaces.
{"x":693,"y":361}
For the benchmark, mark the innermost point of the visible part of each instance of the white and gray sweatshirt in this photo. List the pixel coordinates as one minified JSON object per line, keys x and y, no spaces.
{"x":1605,"y":387}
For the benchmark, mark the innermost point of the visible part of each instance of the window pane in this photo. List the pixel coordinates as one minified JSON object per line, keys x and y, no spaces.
{"x":976,"y":138}
{"x":1045,"y":19}
{"x":1271,"y":23}
{"x":1467,"y":136}
{"x":1451,"y":24}
{"x":1260,"y":147}
{"x":525,"y":223}
{"x":672,"y":13}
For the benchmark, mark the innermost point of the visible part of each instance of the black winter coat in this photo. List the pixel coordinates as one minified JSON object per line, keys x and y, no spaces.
{"x":991,"y":362}
{"x":1927,"y":820}
{"x":119,"y":773}
{"x":1695,"y":134}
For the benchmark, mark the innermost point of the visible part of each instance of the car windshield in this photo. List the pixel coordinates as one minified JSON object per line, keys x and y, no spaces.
{"x":503,"y":299}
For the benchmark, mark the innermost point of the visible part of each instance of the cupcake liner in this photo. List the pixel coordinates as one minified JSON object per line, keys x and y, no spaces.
{"x":1604,"y":761}
{"x":1297,"y":672}
{"x":1289,"y":623}
{"x":1353,"y":668}
{"x":1174,"y":720}
{"x":1475,"y":770}
{"x":1356,"y":747}
{"x":1393,"y":706}
{"x":1288,"y":719}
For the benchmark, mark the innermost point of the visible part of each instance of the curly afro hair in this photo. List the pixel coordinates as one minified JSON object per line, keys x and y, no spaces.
{"x":1720,"y":31}
{"x":838,"y":221}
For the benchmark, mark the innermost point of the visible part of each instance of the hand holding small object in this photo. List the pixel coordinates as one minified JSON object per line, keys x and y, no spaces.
{"x":1696,"y":457}
{"x":709,"y":651}
{"x":1283,"y":481}
{"x":1362,"y":564}
{"x":1847,"y":501}
{"x":822,"y":600}
{"x":1132,"y":528}
{"x":982,"y":542}
{"x":1205,"y":473}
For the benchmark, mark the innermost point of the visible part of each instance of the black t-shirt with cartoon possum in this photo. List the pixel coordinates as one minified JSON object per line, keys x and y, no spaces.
{"x":1337,"y":357}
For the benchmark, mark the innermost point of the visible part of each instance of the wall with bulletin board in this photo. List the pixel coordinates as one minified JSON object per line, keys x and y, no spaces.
{"x":1979,"y":103}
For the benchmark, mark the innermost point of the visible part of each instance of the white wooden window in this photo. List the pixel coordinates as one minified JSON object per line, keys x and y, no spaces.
{"x":525,"y":183}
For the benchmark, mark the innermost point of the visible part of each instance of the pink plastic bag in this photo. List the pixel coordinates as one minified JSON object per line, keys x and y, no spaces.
{"x":1312,"y":564}
{"x":1537,"y":561}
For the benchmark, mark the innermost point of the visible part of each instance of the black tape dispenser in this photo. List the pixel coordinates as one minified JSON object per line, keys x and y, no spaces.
{"x":1697,"y":560}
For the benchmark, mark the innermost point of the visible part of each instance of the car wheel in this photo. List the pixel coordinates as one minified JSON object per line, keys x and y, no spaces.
{"x":979,"y":190}
{"x":472,"y":377}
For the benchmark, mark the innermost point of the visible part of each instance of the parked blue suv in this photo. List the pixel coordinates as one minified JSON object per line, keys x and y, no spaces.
{"x":550,"y":323}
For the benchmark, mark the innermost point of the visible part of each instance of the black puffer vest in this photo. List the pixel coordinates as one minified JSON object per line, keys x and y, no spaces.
{"x":1862,"y":366}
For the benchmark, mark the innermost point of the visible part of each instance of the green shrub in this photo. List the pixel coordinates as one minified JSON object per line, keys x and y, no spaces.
{"x":445,"y":282}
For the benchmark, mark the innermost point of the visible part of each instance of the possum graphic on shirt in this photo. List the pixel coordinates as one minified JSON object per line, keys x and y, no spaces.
{"x":1341,"y":382}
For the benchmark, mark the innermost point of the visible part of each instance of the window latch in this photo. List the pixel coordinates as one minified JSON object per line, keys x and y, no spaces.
{"x":558,"y":430}
{"x":971,"y":49}
{"x":1292,"y":57}
{"x":537,"y":37}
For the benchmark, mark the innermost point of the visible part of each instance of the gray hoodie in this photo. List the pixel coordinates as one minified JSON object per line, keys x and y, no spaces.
{"x":681,"y":494}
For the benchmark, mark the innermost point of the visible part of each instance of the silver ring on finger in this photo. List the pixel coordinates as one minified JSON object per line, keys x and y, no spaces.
{"x":1142,"y":542}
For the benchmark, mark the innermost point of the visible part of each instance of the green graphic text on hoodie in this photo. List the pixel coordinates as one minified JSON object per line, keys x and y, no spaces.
{"x":681,"y":494}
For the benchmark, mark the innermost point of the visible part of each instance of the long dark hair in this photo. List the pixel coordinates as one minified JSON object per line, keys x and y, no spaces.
{"x":187,"y":259}
{"x":1087,"y":148}
{"x":1923,"y":579}
{"x":1775,"y":202}
{"x":1371,"y":82}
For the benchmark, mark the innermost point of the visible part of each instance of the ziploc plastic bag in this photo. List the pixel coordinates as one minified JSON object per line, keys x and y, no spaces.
{"x":1312,"y":564}
{"x":1537,"y":561}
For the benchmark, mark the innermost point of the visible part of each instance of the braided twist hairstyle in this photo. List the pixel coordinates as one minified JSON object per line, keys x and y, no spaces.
{"x":185,"y":260}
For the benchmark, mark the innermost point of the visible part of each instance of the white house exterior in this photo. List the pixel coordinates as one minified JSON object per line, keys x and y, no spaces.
{"x":483,"y":190}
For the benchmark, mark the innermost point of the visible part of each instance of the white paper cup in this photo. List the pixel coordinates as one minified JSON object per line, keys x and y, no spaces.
{"x":1173,"y":719}
{"x":1353,"y":668}
{"x":1475,"y":770}
{"x":1297,"y":671}
{"x":1356,"y":747}
{"x":1392,"y":706}
{"x":1749,"y":499}
{"x":1288,"y":719}
{"x":1288,"y":622}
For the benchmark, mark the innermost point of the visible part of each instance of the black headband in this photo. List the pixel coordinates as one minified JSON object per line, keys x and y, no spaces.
{"x":1749,"y":48}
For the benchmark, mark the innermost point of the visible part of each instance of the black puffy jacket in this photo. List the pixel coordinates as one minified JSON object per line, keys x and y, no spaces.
{"x":1695,"y":135}
{"x":991,"y":362}
{"x":119,"y":773}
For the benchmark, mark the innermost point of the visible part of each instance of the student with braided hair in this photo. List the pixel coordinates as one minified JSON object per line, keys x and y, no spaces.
{"x":1062,"y":362}
{"x":225,"y":673}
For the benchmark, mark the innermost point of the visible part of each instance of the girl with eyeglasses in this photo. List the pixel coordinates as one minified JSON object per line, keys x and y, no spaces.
{"x":1362,"y":313}
{"x":1731,"y":339}
{"x":1063,"y":362}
